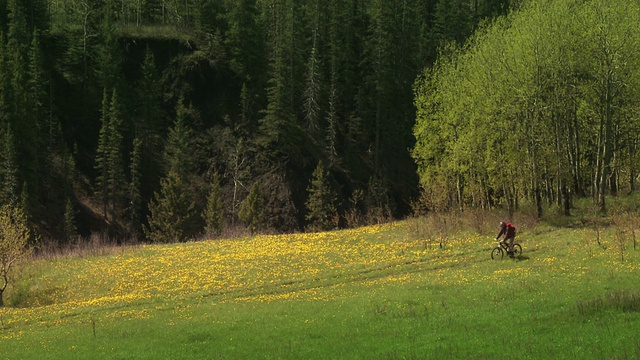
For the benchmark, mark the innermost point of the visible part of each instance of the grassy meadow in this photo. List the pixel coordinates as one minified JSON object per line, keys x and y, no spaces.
{"x":395,"y":291}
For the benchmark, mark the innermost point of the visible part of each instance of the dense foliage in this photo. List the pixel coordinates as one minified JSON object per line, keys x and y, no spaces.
{"x":90,"y":91}
{"x":14,"y":243}
{"x":540,"y":105}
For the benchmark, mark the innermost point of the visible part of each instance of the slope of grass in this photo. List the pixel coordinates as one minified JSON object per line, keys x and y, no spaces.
{"x":380,"y":292}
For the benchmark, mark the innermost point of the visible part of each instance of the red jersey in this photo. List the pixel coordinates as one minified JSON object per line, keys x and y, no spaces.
{"x":508,"y":229}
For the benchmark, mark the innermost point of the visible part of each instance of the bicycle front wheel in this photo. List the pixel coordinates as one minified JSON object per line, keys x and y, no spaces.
{"x":497,"y":253}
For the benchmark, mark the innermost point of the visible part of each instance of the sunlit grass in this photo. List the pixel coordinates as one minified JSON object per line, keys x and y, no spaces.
{"x":375,"y":292}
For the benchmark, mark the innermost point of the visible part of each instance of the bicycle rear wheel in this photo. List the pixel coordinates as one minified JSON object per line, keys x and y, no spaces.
{"x":497,"y":253}
{"x":517,"y":250}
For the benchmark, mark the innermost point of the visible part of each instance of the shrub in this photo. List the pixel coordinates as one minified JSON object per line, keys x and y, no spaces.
{"x":14,"y":238}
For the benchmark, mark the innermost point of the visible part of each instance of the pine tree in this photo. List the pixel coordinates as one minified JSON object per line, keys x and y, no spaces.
{"x":37,"y":14}
{"x":150,"y":101}
{"x":153,"y":11}
{"x":110,"y":182}
{"x":23,"y":124}
{"x":70,"y":228}
{"x":109,"y":58}
{"x":17,"y":26}
{"x":151,"y":125}
{"x":209,"y":18}
{"x":8,"y":168}
{"x":135,"y":195}
{"x":25,"y":205}
{"x":172,"y":209}
{"x":214,"y":212}
{"x":79,"y":56}
{"x":30,"y":129}
{"x":5,"y":87}
{"x":252,"y":209}
{"x":377,"y":200}
{"x":247,"y":117}
{"x":312,"y":93}
{"x":245,"y":40}
{"x":178,"y":153}
{"x":280,"y":131}
{"x":452,"y":21}
{"x":102,"y":157}
{"x":38,"y":89}
{"x":171,"y":212}
{"x":3,"y":17}
{"x":17,"y":49}
{"x":332,"y":131}
{"x":321,"y":203}
{"x":116,"y":183}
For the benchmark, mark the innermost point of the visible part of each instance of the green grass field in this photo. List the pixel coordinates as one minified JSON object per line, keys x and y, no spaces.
{"x":380,"y":292}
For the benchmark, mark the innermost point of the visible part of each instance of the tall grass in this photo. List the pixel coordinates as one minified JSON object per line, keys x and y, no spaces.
{"x":621,"y":300}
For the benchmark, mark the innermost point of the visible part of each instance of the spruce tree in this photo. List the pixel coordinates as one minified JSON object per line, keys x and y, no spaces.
{"x":70,"y":228}
{"x":172,"y":209}
{"x":178,"y":156}
{"x":452,"y":21}
{"x":248,"y":59}
{"x":279,"y":129}
{"x":5,"y":87}
{"x":116,"y":183}
{"x":101,"y":163}
{"x":151,"y":124}
{"x":8,"y":168}
{"x":135,"y":195}
{"x":209,"y":18}
{"x":214,"y":212}
{"x":3,"y":17}
{"x":109,"y":58}
{"x":171,"y":212}
{"x":110,"y":182}
{"x":20,"y":109}
{"x":252,"y":209}
{"x":37,"y":14}
{"x":38,"y":89}
{"x":152,"y":11}
{"x":321,"y":203}
{"x":246,"y":42}
{"x":17,"y":60}
{"x":150,"y":101}
{"x":312,"y":94}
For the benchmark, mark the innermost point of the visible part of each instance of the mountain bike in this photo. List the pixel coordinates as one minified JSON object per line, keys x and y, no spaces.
{"x":499,"y":251}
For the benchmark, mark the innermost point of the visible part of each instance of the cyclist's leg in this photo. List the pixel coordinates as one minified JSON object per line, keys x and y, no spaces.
{"x":510,"y":242}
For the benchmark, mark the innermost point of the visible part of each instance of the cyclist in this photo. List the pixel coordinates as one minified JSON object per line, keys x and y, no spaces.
{"x":509,"y":231}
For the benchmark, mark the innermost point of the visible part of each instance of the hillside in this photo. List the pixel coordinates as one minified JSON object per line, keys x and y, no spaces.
{"x":388,"y":291}
{"x":106,"y":107}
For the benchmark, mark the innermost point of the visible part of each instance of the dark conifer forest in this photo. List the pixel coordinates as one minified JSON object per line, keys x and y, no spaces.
{"x":167,"y":120}
{"x":157,"y":119}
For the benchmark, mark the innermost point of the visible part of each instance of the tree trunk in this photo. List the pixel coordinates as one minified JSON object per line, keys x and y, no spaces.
{"x":459,"y":191}
{"x":4,"y":286}
{"x":613,"y":186}
{"x":606,"y":152}
{"x":566,"y":199}
{"x":538,"y":202}
{"x":575,"y":155}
